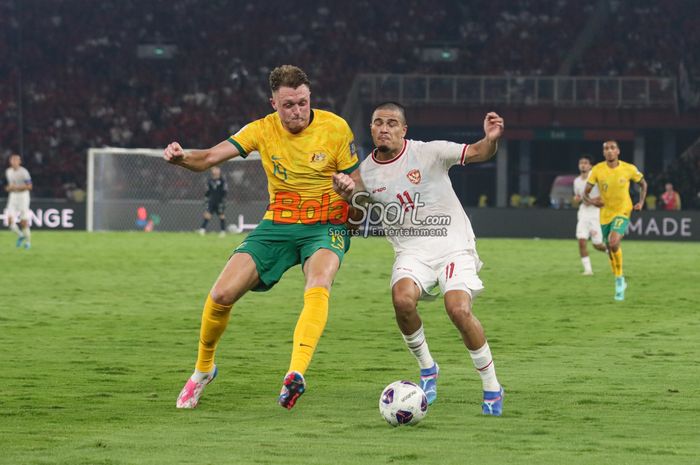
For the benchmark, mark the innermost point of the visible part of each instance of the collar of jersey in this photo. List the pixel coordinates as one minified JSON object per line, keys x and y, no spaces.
{"x":374,"y":158}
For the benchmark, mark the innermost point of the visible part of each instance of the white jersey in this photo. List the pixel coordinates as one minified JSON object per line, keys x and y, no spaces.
{"x":416,"y":182}
{"x":583,"y":209}
{"x":18,"y":202}
{"x":18,"y":177}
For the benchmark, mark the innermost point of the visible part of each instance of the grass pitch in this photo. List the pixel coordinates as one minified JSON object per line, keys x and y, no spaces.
{"x":98,"y":333}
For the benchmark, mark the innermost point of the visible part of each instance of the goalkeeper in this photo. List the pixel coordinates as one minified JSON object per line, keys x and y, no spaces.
{"x":215,"y":201}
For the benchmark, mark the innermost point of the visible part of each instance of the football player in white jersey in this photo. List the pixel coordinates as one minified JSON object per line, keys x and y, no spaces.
{"x":434,"y":244}
{"x":588,"y":216}
{"x":19,"y":183}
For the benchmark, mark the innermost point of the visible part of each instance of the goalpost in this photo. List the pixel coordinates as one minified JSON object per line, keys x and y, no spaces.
{"x":135,"y":189}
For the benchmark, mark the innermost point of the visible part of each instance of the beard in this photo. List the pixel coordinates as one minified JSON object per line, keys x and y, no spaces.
{"x":383,"y":149}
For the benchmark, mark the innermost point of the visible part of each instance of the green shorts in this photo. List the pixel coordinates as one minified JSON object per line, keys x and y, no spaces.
{"x":618,"y":224}
{"x":275,"y":248}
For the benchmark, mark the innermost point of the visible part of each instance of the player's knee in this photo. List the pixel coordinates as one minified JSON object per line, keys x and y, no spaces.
{"x":404,"y":304}
{"x":459,"y":310}
{"x":223,"y":296}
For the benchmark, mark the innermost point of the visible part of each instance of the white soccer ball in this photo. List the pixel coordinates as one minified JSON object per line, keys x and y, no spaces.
{"x":403,"y":403}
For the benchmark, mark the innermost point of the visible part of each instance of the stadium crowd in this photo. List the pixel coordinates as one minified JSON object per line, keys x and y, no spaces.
{"x":83,"y":84}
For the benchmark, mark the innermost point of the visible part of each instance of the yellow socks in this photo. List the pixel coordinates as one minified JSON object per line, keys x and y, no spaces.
{"x":309,"y":328}
{"x":307,"y":333}
{"x":214,"y":321}
{"x":616,"y":262}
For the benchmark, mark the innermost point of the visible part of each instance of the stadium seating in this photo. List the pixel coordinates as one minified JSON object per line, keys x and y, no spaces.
{"x":83,"y":83}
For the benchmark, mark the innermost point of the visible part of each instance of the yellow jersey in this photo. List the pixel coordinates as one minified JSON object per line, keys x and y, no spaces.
{"x":614,"y":186}
{"x":299,"y":167}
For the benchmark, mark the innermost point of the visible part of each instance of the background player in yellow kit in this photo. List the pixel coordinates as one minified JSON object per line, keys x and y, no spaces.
{"x":613,"y":178}
{"x":301,"y":149}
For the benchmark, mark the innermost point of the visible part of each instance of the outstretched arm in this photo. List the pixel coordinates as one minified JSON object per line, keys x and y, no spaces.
{"x":642,"y":194}
{"x":486,"y":147}
{"x":199,"y":160}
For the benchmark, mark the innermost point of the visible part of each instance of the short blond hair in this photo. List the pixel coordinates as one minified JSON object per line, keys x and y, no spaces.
{"x":288,"y":76}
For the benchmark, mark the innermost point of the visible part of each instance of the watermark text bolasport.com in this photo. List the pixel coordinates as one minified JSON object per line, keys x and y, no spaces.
{"x":289,"y":208}
{"x":393,"y":232}
{"x":403,"y":212}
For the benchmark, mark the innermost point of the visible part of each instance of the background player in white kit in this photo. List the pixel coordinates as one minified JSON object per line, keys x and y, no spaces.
{"x":19,"y":183}
{"x":412,"y":176}
{"x":588,"y":216}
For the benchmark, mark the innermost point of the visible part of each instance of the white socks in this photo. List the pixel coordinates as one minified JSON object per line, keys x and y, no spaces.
{"x":27,"y":234}
{"x":586,"y":261}
{"x":15,"y":229}
{"x":483,"y":362}
{"x":418,"y":346}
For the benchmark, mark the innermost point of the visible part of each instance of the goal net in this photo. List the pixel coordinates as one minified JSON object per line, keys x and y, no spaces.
{"x":135,"y":189}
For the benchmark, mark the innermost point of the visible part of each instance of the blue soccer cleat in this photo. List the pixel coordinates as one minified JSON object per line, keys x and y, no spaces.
{"x":620,"y":286}
{"x":293,"y":387}
{"x":428,"y":382}
{"x":493,"y":402}
{"x":20,"y":239}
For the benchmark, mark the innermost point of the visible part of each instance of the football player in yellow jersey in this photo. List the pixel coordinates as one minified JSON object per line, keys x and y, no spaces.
{"x":613,"y":178}
{"x":301,"y":149}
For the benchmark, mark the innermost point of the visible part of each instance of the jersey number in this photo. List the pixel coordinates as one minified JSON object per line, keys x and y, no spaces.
{"x":406,"y":201}
{"x":449,"y":270}
{"x":279,"y":170}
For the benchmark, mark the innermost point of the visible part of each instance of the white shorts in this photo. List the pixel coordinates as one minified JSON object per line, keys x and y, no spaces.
{"x":588,"y":227}
{"x":455,"y":272}
{"x":18,"y":206}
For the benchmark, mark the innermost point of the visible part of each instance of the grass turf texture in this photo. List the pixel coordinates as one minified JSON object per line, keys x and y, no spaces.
{"x":98,"y":334}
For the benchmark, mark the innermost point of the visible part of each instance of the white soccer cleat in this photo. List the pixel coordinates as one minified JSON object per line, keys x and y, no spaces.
{"x":201,"y":231}
{"x":587,"y":273}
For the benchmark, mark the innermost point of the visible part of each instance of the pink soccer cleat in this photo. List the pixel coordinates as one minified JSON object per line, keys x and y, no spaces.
{"x":190,"y":394}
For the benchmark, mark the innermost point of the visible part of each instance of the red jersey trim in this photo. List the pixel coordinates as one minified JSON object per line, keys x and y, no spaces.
{"x":405,"y":143}
{"x":464,"y":154}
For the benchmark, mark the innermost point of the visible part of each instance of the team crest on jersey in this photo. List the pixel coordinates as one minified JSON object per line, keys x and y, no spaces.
{"x":318,"y":157}
{"x":414,"y":176}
